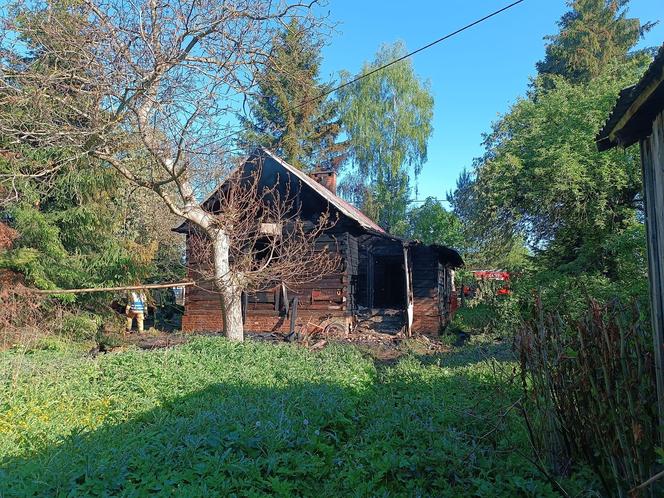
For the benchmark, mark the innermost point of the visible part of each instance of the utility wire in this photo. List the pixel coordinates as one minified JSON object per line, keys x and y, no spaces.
{"x":410,"y":54}
{"x":412,"y":201}
{"x":395,"y":61}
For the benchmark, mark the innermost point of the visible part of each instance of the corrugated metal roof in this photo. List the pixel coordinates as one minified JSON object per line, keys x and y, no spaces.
{"x":625,"y":101}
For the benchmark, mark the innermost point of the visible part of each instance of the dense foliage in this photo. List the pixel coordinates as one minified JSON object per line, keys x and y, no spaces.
{"x":591,"y":385}
{"x":543,"y":186}
{"x":592,"y":34}
{"x":431,"y":223}
{"x":544,"y":178}
{"x":79,"y":222}
{"x":542,"y":181}
{"x":68,"y":233}
{"x":216,"y":418}
{"x":387,"y":118}
{"x":286,"y":114}
{"x":86,"y":229}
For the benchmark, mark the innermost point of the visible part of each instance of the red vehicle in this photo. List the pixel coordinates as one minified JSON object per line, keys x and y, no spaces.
{"x":488,"y":275}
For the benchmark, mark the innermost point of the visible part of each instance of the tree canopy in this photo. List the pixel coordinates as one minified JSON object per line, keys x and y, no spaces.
{"x":387,"y":117}
{"x":541,"y":179}
{"x":286,"y":114}
{"x":592,"y":34}
{"x":431,"y":223}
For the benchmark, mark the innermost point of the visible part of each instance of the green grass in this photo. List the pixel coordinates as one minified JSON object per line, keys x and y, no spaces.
{"x":212,"y":418}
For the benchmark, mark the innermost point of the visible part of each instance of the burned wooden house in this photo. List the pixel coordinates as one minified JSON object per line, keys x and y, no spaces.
{"x":385,"y":283}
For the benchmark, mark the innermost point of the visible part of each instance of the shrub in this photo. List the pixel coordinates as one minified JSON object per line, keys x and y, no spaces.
{"x":22,"y":316}
{"x":591,"y":385}
{"x":477,"y":319}
{"x":79,"y":326}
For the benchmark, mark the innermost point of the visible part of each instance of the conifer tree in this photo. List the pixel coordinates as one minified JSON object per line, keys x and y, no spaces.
{"x":541,"y":178}
{"x":592,"y":34}
{"x":286,"y":114}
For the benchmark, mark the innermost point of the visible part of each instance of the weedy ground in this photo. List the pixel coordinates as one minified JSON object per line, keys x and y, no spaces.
{"x":214,"y":418}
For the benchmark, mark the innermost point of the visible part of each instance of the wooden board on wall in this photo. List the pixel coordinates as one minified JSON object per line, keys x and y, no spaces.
{"x":652,"y":157}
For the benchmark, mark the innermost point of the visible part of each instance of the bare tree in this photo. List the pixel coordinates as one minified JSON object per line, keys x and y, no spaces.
{"x":148,"y":87}
{"x":270,"y":242}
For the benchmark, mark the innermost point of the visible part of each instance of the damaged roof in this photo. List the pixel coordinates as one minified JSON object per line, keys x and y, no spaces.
{"x":344,"y":207}
{"x":636,"y":108}
{"x":350,"y":211}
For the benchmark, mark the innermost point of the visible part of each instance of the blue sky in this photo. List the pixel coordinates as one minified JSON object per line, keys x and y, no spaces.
{"x":474,"y":76}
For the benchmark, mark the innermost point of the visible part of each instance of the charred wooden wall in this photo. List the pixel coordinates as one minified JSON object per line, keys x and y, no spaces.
{"x":427,"y":318}
{"x":652,"y":159}
{"x":329,"y":297}
{"x":338,"y":296}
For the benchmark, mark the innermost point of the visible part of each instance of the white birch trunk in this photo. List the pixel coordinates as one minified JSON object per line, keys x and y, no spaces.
{"x":229,"y":291}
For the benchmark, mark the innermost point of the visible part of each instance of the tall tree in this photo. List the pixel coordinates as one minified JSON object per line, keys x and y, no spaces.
{"x":490,"y":237}
{"x":286,"y":114}
{"x":431,"y":223}
{"x":68,"y":210}
{"x":541,"y":178}
{"x":72,"y":234}
{"x":387,"y":117}
{"x":156,"y":85}
{"x":592,"y":34}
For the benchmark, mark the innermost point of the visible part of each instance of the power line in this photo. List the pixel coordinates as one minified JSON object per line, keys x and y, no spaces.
{"x":395,"y":61}
{"x":413,"y":201}
{"x":410,"y":54}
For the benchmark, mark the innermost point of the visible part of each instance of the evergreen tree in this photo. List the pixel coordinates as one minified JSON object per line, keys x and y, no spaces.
{"x":542,"y":178}
{"x":387,"y":118}
{"x":69,"y":211}
{"x":286,"y":114}
{"x":592,"y":34}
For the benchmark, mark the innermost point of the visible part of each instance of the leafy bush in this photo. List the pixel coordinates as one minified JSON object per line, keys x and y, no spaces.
{"x":477,"y":319}
{"x":22,"y":316}
{"x":80,"y":326}
{"x":106,"y":340}
{"x":591,"y":383}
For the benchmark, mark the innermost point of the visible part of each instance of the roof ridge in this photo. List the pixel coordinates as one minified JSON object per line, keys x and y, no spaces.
{"x":343,"y":206}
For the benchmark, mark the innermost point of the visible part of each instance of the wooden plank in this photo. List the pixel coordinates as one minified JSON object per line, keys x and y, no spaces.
{"x":370,"y":280}
{"x":652,"y":158}
{"x":635,"y":107}
{"x":321,"y":306}
{"x":409,"y":291}
{"x":112,"y":289}
{"x":336,"y":296}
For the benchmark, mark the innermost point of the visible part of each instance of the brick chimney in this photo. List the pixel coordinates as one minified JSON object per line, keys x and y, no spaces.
{"x":327,"y":179}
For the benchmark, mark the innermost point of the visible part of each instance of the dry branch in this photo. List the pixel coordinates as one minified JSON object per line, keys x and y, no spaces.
{"x":110,"y":289}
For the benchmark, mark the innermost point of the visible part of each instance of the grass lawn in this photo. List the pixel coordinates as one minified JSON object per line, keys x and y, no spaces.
{"x":212,"y":418}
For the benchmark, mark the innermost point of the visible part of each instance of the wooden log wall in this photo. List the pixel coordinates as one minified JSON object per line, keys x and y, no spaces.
{"x":427,"y":318}
{"x":329,"y":296}
{"x":335,"y":296}
{"x":652,"y":157}
{"x":364,"y":277}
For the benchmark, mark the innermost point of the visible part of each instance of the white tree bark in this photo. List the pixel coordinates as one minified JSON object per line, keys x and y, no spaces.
{"x":227,"y":286}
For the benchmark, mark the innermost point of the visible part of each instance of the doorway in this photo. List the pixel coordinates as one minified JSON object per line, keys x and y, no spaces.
{"x":389,"y":282}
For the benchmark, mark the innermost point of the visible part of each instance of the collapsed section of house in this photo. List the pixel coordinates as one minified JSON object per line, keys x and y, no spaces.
{"x":384,"y":283}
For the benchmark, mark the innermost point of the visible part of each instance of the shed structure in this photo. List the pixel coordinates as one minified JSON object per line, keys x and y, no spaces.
{"x":638,"y":116}
{"x":385,"y":283}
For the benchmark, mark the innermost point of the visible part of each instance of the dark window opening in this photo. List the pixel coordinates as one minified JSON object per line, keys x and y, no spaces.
{"x":389,"y":282}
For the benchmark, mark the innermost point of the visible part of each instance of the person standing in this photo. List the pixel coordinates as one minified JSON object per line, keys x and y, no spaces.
{"x":136,"y":307}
